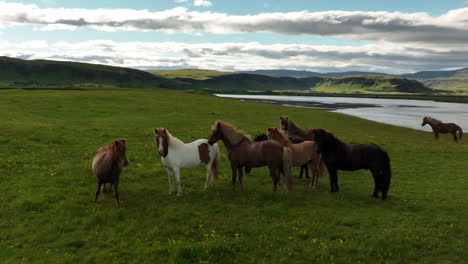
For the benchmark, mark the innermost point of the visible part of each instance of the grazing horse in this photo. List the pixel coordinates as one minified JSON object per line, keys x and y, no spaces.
{"x":439,"y":127}
{"x":294,"y":131}
{"x":245,"y":153}
{"x":108,"y":163}
{"x":295,"y":140}
{"x":302,"y":153}
{"x":176,"y":155}
{"x":340,"y":156}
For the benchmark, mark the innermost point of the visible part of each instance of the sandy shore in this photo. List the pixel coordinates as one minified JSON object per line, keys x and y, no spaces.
{"x":315,"y":105}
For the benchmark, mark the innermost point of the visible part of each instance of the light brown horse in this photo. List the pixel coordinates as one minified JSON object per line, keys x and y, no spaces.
{"x":294,"y":131}
{"x":439,"y":127}
{"x":302,"y":153}
{"x":243,"y":152}
{"x":108,"y":163}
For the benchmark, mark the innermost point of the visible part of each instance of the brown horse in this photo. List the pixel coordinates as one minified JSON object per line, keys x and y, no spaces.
{"x":243,"y":152}
{"x":302,"y":153}
{"x":439,"y":127}
{"x":107,"y":165}
{"x":294,"y":131}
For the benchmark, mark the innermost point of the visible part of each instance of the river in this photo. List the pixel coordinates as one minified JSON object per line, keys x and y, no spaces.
{"x":399,"y":112}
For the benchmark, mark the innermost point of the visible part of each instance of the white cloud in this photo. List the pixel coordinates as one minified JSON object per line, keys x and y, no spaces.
{"x":202,"y":3}
{"x":379,"y":57}
{"x":181,"y":1}
{"x":450,"y":28}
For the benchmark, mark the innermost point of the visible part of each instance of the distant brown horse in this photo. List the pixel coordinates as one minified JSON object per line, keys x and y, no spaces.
{"x":294,"y":131}
{"x":107,"y":165}
{"x":439,"y":127}
{"x":302,"y":153}
{"x":245,"y":153}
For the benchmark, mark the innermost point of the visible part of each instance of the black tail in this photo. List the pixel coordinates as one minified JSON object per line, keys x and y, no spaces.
{"x":386,"y":174}
{"x":460,"y":133}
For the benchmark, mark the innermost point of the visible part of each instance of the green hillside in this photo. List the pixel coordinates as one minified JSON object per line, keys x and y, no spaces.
{"x":47,"y":73}
{"x":49,"y":137}
{"x":196,"y":74}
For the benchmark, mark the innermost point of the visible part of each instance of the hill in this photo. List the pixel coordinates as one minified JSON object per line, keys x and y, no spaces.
{"x":307,"y":74}
{"x":454,"y":81}
{"x":49,"y":73}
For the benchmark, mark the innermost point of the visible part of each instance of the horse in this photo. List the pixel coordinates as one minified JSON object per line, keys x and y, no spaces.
{"x":340,"y":156}
{"x":302,"y":153}
{"x":243,"y":152}
{"x":439,"y":127}
{"x":108,"y":163}
{"x":176,"y":155}
{"x":294,"y":131}
{"x":295,"y":140}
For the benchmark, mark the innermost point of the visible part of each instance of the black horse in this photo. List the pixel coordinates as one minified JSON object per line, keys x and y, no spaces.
{"x":295,"y":140}
{"x":340,"y":156}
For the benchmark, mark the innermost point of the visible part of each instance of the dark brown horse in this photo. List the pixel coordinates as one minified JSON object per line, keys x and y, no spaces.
{"x":340,"y":156}
{"x":243,"y":152}
{"x":294,"y":131}
{"x":439,"y":127}
{"x":108,"y":163}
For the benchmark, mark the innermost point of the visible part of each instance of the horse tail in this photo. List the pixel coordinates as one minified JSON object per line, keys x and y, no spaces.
{"x":215,"y":165}
{"x":386,"y":174}
{"x":287,"y":157}
{"x":460,"y":133}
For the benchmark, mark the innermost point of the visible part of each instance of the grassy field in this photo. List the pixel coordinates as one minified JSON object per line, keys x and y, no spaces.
{"x":48,"y":139}
{"x":196,"y":74}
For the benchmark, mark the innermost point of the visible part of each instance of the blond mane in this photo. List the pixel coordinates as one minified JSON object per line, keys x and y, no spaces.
{"x":275,"y":134}
{"x":230,"y":132}
{"x":432,"y":120}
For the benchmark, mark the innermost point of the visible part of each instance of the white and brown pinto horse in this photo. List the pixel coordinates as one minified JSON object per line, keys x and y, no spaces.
{"x":108,"y":163}
{"x":177,"y":155}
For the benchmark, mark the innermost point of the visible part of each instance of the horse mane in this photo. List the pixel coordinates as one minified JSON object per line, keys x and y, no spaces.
{"x":279,"y":136}
{"x":432,"y":120}
{"x":261,"y":137}
{"x":230,"y":132}
{"x":171,"y":140}
{"x":112,"y":149}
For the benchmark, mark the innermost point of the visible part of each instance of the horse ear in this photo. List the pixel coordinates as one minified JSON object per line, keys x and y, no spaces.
{"x":156,"y":131}
{"x":218,"y":125}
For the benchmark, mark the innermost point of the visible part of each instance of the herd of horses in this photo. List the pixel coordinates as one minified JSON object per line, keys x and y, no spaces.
{"x":278,"y":149}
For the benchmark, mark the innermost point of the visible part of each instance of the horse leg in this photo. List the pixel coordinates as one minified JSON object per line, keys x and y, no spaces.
{"x":455,"y":139}
{"x":116,"y":191}
{"x":234,"y":175}
{"x":177,"y":176}
{"x":274,"y":177}
{"x":314,"y":171}
{"x":170,"y":174}
{"x":240,"y":179}
{"x":333,"y":179}
{"x":208,"y":175}
{"x":306,"y":171}
{"x":302,"y":171}
{"x":375,"y":175}
{"x":436,"y":135}
{"x":98,"y":191}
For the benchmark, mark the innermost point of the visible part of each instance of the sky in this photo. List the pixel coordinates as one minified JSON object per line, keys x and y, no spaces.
{"x":321,"y":36}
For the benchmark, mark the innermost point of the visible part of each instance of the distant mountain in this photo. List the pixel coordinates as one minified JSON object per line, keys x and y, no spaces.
{"x":307,"y":74}
{"x":49,"y":73}
{"x":454,"y":81}
{"x":436,"y":74}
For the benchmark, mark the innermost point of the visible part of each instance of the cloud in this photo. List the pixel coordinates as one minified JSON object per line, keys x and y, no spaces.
{"x":379,"y":57}
{"x":202,"y":3}
{"x":181,"y":1}
{"x":447,"y":29}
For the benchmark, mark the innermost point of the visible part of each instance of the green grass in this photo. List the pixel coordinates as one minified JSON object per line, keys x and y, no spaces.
{"x":48,"y":139}
{"x":196,"y":74}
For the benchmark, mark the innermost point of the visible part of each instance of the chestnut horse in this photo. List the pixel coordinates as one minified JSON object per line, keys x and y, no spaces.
{"x":294,"y":131}
{"x":295,"y":140}
{"x":340,"y":156}
{"x":108,"y":163}
{"x":176,"y":155}
{"x":243,"y":152}
{"x":439,"y":127}
{"x":302,"y":153}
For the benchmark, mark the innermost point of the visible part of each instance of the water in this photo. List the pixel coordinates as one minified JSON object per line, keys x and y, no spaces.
{"x":399,"y":112}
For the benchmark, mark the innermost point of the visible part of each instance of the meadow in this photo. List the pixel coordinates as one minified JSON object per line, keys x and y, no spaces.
{"x":49,"y":137}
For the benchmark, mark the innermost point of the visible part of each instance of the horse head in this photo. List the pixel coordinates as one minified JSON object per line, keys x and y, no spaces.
{"x":120,"y":148}
{"x":216,"y":133}
{"x":323,"y":140}
{"x":162,"y":141}
{"x":424,"y":121}
{"x":284,"y":121}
